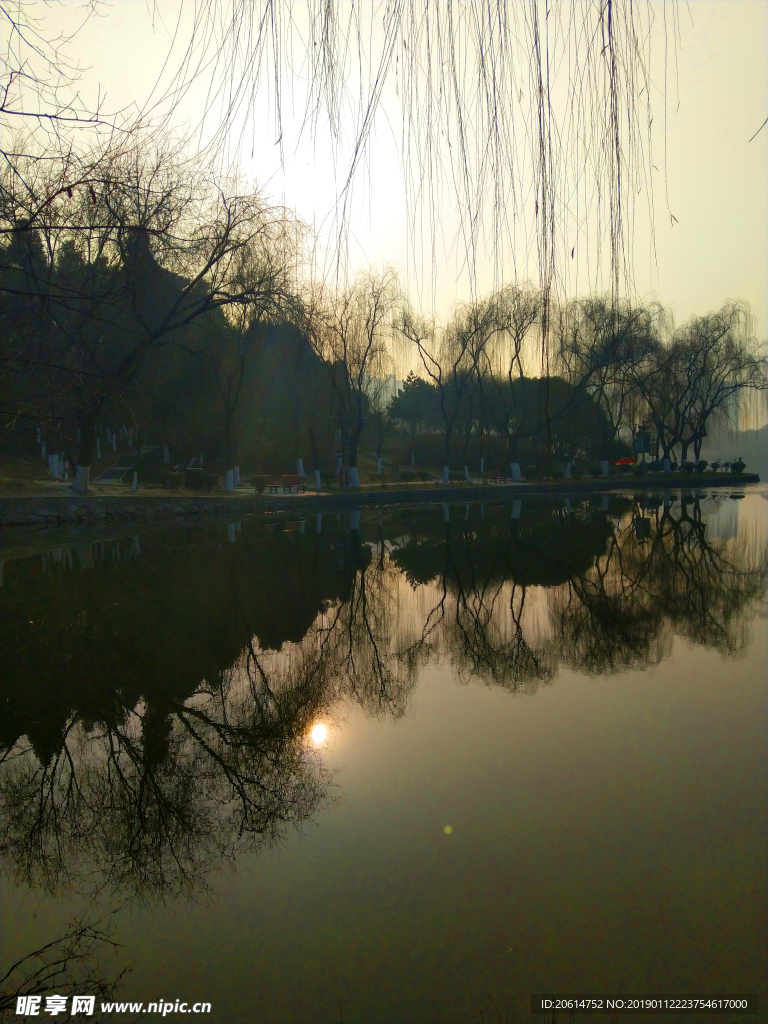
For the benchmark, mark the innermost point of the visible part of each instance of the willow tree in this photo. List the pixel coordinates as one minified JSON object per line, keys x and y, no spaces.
{"x":536,"y":116}
{"x":452,"y":358}
{"x":713,"y":363}
{"x":535,"y":120}
{"x":603,"y":348}
{"x":351,"y":332}
{"x":519,"y":314}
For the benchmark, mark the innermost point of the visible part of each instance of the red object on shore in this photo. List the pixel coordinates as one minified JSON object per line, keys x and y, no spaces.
{"x":625,"y":462}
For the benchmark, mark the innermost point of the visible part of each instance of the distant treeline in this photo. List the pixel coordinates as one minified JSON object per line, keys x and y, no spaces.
{"x":147,"y":297}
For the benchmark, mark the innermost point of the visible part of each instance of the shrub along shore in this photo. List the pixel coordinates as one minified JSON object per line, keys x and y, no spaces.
{"x":43,"y":510}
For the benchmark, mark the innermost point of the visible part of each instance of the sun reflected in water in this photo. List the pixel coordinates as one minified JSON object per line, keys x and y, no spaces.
{"x":319,"y":734}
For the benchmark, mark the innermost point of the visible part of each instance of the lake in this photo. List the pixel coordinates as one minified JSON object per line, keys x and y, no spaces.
{"x":406,"y":765}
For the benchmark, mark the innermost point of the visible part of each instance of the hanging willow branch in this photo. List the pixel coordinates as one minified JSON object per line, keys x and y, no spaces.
{"x":534,"y":117}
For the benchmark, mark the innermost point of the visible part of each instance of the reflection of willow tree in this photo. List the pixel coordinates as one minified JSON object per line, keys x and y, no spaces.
{"x":153,"y":761}
{"x":363,"y":634}
{"x":157,"y":742}
{"x":484,"y":575}
{"x":165,"y":702}
{"x":617,"y":588}
{"x":147,"y":806}
{"x":487,"y":638}
{"x":91,"y":643}
{"x":624,"y":610}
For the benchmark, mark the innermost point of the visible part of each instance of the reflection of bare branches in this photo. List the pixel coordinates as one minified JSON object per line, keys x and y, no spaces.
{"x":488,"y":642}
{"x":615,"y":596}
{"x":624,"y":611}
{"x":69,"y":964}
{"x":160,"y":800}
{"x":426,"y":646}
{"x":147,"y":803}
{"x":485,"y":632}
{"x":364,"y":641}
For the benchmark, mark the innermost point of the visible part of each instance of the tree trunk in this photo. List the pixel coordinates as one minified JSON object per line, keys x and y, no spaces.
{"x":354,"y":476}
{"x":604,"y":444}
{"x":82,"y":477}
{"x":467,"y":439}
{"x":447,"y":455}
{"x":315,"y":459}
{"x":87,"y":432}
{"x":229,"y":451}
{"x":315,"y":452}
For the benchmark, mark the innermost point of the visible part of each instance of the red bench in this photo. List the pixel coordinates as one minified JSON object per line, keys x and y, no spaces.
{"x":293,"y":482}
{"x":495,"y":476}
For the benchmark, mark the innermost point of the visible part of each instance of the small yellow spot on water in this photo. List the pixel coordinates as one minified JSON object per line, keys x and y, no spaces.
{"x":447,"y":830}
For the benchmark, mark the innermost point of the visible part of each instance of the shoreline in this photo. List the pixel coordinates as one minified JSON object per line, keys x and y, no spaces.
{"x":57,"y":510}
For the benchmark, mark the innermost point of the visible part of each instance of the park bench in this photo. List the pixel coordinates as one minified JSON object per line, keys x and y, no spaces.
{"x":495,"y":476}
{"x":291,"y":482}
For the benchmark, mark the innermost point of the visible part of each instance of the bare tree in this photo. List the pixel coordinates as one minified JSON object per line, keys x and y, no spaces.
{"x":519,"y":315}
{"x":351,"y":332}
{"x":40,"y":102}
{"x":134,"y":258}
{"x":380,"y":390}
{"x":604,"y":347}
{"x":452,"y":357}
{"x":711,"y":362}
{"x":728,"y":362}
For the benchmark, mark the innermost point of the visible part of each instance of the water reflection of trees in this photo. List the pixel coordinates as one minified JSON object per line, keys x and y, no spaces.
{"x":618,"y":582}
{"x":486,"y":572}
{"x":361,"y":640}
{"x":148,"y":805}
{"x":167,"y":731}
{"x":70,"y":964}
{"x":164,"y":702}
{"x":660,"y":575}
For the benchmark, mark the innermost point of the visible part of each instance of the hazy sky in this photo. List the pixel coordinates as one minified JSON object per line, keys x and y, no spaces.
{"x":716,"y":178}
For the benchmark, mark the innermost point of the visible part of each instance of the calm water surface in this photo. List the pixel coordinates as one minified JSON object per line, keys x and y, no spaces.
{"x":409,"y":766}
